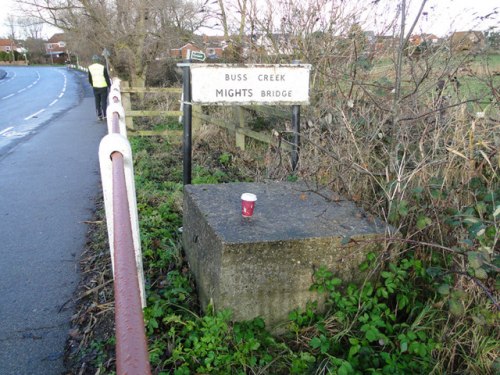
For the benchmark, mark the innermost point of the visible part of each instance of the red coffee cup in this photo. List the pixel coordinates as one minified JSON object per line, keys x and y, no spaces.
{"x":248,"y":204}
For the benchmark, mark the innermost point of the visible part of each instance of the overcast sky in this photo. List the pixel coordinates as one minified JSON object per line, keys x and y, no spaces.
{"x":440,"y":17}
{"x":10,"y":7}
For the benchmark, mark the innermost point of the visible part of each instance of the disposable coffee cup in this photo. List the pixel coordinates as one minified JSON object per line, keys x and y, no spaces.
{"x":248,"y":204}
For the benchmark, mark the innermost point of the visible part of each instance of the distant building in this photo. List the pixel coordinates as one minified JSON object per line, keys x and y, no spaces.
{"x":472,"y":41}
{"x":181,"y":53}
{"x":370,"y":36}
{"x":214,"y":46}
{"x":217,"y":47}
{"x":56,"y":49}
{"x":385,"y":43}
{"x":7,"y":45}
{"x":431,"y":38}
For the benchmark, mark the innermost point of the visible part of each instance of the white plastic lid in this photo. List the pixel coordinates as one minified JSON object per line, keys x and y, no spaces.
{"x":249,"y":197}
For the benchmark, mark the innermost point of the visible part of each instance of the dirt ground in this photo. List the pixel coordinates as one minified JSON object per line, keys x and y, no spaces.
{"x":93,"y":320}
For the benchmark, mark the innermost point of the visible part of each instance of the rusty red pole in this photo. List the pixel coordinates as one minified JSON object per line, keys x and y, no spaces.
{"x":115,"y":121}
{"x":132,"y":356}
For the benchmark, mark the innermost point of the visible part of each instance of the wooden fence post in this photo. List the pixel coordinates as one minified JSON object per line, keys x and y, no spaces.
{"x":239,"y":117}
{"x":196,"y":122}
{"x":127,"y":105}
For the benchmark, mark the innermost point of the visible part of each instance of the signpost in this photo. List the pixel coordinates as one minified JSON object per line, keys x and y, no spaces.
{"x":106,"y":55}
{"x":224,"y":84}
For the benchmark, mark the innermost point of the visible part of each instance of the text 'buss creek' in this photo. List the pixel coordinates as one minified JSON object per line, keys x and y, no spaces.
{"x":249,"y":93}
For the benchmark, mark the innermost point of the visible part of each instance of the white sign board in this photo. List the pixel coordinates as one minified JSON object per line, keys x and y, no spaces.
{"x":250,"y":84}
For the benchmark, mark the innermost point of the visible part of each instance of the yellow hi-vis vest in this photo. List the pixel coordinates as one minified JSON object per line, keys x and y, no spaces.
{"x":97,"y":72}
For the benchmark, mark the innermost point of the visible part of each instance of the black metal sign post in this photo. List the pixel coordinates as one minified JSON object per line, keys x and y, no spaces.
{"x":187,"y":112}
{"x":296,"y":130}
{"x":296,"y":135}
{"x":187,"y":119}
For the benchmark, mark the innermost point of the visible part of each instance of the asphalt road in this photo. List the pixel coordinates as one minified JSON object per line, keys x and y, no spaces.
{"x":49,"y":177}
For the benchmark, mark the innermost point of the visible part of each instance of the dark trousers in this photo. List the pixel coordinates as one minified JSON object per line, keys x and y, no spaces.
{"x":101,"y":100}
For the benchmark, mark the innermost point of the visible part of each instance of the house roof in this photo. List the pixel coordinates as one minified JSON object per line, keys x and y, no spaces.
{"x":7,"y":43}
{"x":187,"y":45}
{"x":464,"y":34}
{"x":56,"y":38}
{"x":429,"y":36}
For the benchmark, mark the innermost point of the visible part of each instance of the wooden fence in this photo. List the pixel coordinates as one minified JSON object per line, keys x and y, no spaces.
{"x":236,"y":124}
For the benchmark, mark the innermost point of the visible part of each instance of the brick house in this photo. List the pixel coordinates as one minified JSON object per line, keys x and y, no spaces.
{"x":7,"y":45}
{"x":430,"y":39}
{"x":212,"y":46}
{"x":473,"y":41}
{"x":56,"y":50}
{"x":181,"y":53}
{"x":385,"y":43}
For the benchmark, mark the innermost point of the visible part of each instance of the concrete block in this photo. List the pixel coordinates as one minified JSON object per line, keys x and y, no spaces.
{"x":264,"y":265}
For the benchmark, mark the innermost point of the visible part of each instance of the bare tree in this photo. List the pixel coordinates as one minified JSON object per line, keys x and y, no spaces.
{"x":12,"y":25}
{"x":134,"y":31}
{"x":232,"y":17}
{"x":31,"y":27}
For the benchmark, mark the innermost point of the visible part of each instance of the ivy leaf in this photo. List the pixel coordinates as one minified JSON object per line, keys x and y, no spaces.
{"x":486,"y":250}
{"x":418,"y":190}
{"x":403,"y":208}
{"x":444,"y":289}
{"x":345,"y":369}
{"x":471,"y":220}
{"x":423,"y":221}
{"x":372,"y":334}
{"x":456,"y":307}
{"x":336,"y":281}
{"x":491,"y":231}
{"x":480,"y":273}
{"x":479,"y":320}
{"x":434,"y":271}
{"x":315,"y":342}
{"x":481,"y":208}
{"x":497,"y":211}
{"x":404,"y":346}
{"x":475,"y":259}
{"x":436,"y":194}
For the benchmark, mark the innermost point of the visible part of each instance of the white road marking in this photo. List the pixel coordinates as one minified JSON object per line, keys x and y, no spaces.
{"x":6,"y":130}
{"x":35,"y":114}
{"x":50,"y":105}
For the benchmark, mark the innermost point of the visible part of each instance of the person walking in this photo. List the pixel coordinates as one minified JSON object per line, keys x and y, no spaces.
{"x":99,"y":80}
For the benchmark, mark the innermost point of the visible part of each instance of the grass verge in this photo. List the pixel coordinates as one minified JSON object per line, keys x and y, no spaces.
{"x":415,"y":317}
